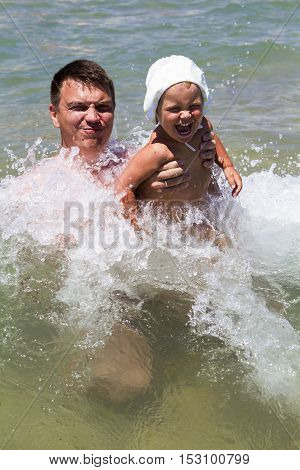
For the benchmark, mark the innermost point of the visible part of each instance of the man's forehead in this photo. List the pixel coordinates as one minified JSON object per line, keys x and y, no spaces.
{"x":73,"y":90}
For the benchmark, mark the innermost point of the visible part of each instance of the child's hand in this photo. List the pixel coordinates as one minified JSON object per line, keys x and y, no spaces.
{"x":234,"y":180}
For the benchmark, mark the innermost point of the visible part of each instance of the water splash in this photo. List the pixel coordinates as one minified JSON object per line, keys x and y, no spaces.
{"x":110,"y":271}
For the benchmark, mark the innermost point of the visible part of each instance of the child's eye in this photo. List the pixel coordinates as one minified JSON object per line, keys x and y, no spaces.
{"x":173,"y":110}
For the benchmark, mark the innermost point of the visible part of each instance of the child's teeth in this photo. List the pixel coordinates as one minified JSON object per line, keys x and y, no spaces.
{"x":184,"y":129}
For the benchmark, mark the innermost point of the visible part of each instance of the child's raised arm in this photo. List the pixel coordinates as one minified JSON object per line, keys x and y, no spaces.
{"x":223,"y":160}
{"x":140,"y":167}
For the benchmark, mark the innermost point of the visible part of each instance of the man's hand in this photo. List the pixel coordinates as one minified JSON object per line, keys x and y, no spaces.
{"x":234,"y":180}
{"x":174,"y":175}
{"x":170,"y":175}
{"x":208,"y":149}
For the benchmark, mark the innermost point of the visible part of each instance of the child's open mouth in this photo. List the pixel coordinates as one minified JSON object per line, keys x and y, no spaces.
{"x":184,"y":130}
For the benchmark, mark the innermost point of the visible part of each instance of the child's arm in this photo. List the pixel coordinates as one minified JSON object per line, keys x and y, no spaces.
{"x":140,"y":167}
{"x":222,"y":159}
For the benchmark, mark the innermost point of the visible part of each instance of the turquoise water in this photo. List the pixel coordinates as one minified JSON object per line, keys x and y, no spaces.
{"x":223,"y":327}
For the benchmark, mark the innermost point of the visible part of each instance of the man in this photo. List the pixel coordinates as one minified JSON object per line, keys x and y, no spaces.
{"x":83,"y":107}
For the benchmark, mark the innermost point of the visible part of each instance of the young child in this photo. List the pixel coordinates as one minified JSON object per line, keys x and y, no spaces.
{"x":175,"y":98}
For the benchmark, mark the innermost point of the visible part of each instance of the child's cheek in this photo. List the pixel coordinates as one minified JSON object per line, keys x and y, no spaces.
{"x":197,"y":114}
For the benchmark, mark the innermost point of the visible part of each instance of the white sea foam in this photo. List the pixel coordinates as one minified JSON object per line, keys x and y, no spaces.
{"x":235,"y":311}
{"x":106,"y":258}
{"x":272,"y":222}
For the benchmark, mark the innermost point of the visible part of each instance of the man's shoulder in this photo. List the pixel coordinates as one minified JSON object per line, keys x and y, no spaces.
{"x":117,"y":148}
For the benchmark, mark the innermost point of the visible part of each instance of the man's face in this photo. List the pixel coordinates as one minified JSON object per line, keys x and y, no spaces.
{"x":85,"y":117}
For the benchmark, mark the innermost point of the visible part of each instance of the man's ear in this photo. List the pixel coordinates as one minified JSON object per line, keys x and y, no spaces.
{"x":53,"y":115}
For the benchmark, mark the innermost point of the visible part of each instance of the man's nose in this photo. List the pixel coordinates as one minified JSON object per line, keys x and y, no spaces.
{"x":92,"y":114}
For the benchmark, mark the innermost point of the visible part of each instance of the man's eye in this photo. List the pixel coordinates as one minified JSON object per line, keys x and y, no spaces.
{"x":103,"y":108}
{"x":79,"y":108}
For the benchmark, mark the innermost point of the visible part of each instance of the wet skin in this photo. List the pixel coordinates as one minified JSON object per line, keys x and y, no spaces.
{"x":180,"y":112}
{"x":178,"y":136}
{"x":122,"y":368}
{"x":85,"y":117}
{"x":179,"y":115}
{"x":200,"y":176}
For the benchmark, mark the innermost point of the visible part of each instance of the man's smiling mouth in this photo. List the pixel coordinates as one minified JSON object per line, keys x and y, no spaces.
{"x":91,"y":130}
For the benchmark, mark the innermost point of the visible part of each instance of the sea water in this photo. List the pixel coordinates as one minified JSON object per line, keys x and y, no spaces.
{"x":223,"y":325}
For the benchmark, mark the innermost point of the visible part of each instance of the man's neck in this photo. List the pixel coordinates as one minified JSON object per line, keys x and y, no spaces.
{"x":88,"y":156}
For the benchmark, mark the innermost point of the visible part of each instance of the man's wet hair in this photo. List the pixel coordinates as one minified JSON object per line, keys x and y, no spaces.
{"x":83,"y":71}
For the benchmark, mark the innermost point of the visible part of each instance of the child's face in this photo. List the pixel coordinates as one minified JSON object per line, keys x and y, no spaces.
{"x":180,"y":111}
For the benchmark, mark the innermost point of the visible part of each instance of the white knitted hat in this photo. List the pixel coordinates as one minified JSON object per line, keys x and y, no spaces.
{"x":169,"y":71}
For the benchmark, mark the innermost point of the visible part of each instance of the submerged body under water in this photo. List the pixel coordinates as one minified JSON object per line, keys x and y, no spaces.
{"x":221,"y":324}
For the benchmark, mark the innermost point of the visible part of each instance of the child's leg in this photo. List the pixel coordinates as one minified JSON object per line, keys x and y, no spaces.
{"x":222,"y":241}
{"x":203,"y":231}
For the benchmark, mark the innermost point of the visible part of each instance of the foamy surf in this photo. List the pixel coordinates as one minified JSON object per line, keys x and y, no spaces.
{"x":104,"y":258}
